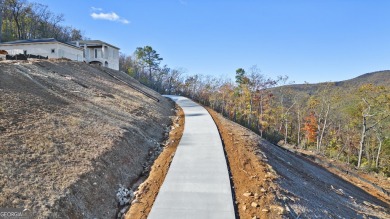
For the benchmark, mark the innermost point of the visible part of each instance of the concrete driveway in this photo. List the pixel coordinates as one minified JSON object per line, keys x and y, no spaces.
{"x":197,"y":184}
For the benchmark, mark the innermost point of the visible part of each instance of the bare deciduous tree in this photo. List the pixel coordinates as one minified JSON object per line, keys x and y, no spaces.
{"x":20,"y":19}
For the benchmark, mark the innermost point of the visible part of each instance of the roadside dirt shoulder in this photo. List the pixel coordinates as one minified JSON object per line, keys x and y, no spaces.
{"x":148,"y":190}
{"x":279,"y":177}
{"x":253,"y":178}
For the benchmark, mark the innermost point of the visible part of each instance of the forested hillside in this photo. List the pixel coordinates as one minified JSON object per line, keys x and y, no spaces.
{"x":347,"y":120}
{"x":377,"y":78}
{"x":21,"y":19}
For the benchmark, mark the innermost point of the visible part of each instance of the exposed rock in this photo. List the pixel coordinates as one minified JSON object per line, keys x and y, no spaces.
{"x":125,"y":209}
{"x":124,"y":195}
{"x":247,"y":194}
{"x":254,"y":204}
{"x":339,"y":191}
{"x":277,"y":208}
{"x":134,"y":201}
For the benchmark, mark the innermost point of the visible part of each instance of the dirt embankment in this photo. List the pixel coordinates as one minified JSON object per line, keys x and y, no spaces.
{"x":271,"y":182}
{"x":311,"y":191}
{"x":148,"y":190}
{"x":71,"y":134}
{"x":304,"y":188}
{"x":374,"y":184}
{"x":253,"y":179}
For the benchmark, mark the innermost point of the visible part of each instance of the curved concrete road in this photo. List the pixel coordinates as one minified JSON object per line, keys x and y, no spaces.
{"x":197,"y":184}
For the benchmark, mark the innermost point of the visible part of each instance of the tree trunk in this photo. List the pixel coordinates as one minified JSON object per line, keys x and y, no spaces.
{"x":261,"y":115}
{"x":318,"y":137}
{"x":368,"y":152}
{"x":379,"y":151}
{"x":250,"y":110}
{"x":323,"y":128}
{"x":362,"y":140}
{"x":285,"y":130}
{"x":16,"y":19}
{"x":150,"y":74}
{"x":299,"y":128}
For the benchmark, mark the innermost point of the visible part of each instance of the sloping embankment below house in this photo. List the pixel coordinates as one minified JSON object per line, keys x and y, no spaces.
{"x":71,"y":133}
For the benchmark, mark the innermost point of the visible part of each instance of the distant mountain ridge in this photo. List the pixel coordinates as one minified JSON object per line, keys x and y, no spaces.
{"x":377,"y":78}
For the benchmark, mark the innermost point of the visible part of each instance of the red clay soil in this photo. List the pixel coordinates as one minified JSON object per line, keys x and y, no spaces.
{"x":253,"y":178}
{"x":148,"y":190}
{"x":270,"y":182}
{"x":304,"y":188}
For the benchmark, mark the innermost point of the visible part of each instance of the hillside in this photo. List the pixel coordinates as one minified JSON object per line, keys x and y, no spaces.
{"x":71,"y":134}
{"x":377,"y":78}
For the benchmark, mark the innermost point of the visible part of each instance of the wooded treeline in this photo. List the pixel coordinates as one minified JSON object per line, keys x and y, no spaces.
{"x":20,"y":19}
{"x":350,"y":123}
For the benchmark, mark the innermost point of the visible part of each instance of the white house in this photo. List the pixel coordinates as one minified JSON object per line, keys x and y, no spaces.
{"x":49,"y":47}
{"x":99,"y":52}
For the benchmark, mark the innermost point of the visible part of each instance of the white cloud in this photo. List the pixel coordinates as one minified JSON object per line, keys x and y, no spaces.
{"x":105,"y":16}
{"x":109,"y":16}
{"x":96,"y":9}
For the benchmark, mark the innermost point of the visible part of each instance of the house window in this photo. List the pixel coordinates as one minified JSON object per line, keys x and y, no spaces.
{"x":53,"y":50}
{"x":96,"y":54}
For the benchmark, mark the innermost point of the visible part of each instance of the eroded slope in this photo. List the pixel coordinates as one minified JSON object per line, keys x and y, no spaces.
{"x":70,"y":133}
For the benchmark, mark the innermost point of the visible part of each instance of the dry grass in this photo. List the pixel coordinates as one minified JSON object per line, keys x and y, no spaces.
{"x":58,"y":138}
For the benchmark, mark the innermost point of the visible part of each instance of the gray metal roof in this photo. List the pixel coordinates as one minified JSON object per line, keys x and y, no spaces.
{"x":94,"y":42}
{"x":42,"y":40}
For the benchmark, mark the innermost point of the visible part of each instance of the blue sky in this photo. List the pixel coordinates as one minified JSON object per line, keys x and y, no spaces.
{"x":308,"y":40}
